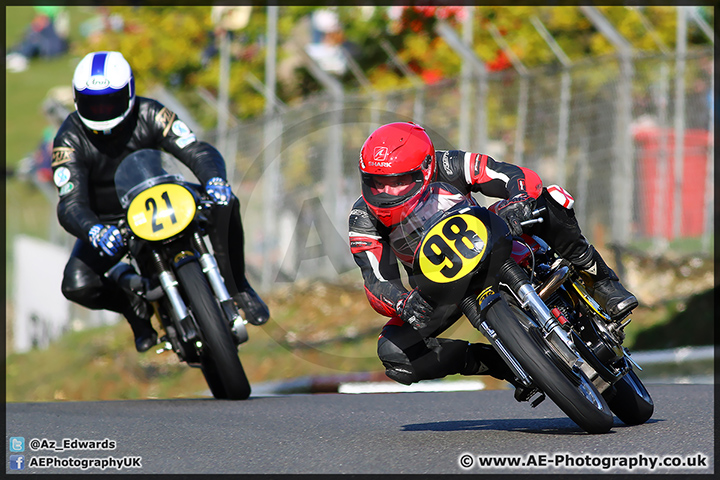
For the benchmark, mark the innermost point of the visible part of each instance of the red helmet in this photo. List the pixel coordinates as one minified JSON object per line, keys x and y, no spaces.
{"x":392,"y":151}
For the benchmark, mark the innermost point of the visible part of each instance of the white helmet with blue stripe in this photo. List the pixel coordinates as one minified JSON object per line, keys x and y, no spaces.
{"x":104,"y":89}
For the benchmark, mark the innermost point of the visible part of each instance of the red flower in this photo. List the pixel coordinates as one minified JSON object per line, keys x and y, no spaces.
{"x":431,"y":76}
{"x":500,"y":62}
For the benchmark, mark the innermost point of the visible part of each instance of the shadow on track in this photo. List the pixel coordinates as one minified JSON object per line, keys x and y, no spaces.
{"x":552,"y":426}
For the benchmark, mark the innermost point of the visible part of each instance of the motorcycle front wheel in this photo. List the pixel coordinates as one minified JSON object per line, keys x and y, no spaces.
{"x":219,"y":357}
{"x":570,"y":389}
{"x":629,"y":400}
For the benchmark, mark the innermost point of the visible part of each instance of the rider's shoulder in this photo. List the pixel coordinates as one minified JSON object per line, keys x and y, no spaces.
{"x":449,"y":164}
{"x":70,"y":132}
{"x":360,"y":216}
{"x":150,"y":107}
{"x":154,"y":116}
{"x":360,"y":208}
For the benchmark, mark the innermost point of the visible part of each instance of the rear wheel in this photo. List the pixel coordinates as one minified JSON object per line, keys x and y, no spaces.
{"x":219,"y":357}
{"x":570,"y":389}
{"x":631,"y":401}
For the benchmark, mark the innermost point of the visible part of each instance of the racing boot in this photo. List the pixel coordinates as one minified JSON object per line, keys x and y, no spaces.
{"x":606,"y":287}
{"x":139,"y":310}
{"x":256,"y":312}
{"x":145,"y":335}
{"x":483,"y":359}
{"x":139,"y":319}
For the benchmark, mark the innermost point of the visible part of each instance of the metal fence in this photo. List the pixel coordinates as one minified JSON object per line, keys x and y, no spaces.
{"x":603,"y":129}
{"x":296,"y":174}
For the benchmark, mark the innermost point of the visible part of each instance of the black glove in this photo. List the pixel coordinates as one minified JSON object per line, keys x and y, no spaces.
{"x":414,"y":310}
{"x":515,"y":210}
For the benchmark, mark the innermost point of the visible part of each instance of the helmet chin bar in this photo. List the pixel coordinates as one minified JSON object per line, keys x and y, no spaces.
{"x":107,"y":127}
{"x":391,"y":213}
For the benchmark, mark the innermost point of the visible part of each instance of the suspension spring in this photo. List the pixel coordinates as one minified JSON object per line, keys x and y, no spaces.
{"x":199,"y":244}
{"x":159,"y":262}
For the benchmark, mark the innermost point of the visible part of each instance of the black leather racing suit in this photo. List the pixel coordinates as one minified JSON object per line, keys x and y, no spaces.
{"x":410,"y":355}
{"x":84,"y":164}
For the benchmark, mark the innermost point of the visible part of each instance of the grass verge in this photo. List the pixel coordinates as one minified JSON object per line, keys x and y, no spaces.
{"x":315,"y":330}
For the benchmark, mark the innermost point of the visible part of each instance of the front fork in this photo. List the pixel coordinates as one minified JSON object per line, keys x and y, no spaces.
{"x":169,"y":283}
{"x":184,"y":323}
{"x":557,"y":337}
{"x":212,"y":272}
{"x":475,"y":310}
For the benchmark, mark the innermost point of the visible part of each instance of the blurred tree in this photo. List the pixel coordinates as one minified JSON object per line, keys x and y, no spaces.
{"x":165,"y":45}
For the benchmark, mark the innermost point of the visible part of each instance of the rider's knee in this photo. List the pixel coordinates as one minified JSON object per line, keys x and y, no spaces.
{"x":80,"y":285}
{"x":397,"y":364}
{"x":74,"y":291}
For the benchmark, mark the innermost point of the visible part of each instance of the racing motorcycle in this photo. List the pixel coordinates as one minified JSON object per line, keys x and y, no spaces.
{"x":532,"y":306}
{"x":173,"y":267}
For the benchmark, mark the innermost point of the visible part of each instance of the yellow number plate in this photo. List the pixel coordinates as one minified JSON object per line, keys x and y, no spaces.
{"x":453,"y":248}
{"x":161,"y":211}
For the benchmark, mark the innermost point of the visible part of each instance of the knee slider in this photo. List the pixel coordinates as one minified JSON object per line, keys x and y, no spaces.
{"x":400,"y":375}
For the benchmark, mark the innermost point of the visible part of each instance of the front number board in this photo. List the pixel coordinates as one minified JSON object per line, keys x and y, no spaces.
{"x":453,"y":248}
{"x":161,"y":211}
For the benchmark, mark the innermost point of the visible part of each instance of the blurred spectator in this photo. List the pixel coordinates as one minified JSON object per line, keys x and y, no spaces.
{"x":45,"y":37}
{"x":231,"y":18}
{"x":211,"y":47}
{"x":105,"y":21}
{"x":699,"y":104}
{"x":230,"y":21}
{"x":326,"y":40}
{"x":35,"y":167}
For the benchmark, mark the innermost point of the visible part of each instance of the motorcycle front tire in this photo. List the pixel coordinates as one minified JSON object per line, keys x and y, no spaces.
{"x":571,"y":390}
{"x":630,"y":400}
{"x":219,"y":359}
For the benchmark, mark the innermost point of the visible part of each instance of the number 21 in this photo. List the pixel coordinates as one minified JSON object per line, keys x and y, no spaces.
{"x":150,"y":204}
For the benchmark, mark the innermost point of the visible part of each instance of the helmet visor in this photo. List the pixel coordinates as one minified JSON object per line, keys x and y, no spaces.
{"x":388,"y":191}
{"x":99,"y":108}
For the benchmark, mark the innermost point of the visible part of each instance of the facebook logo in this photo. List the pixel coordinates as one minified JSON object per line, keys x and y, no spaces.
{"x":17,"y":462}
{"x":17,"y":444}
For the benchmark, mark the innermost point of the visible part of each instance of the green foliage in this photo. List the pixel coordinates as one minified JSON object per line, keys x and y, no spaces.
{"x":690,"y":322}
{"x":165,"y":44}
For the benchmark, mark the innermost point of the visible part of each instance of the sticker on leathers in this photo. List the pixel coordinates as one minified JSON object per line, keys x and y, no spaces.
{"x":61,"y":176}
{"x":61,"y":155}
{"x":67,"y":188}
{"x":185,"y":135}
{"x":165,"y":118}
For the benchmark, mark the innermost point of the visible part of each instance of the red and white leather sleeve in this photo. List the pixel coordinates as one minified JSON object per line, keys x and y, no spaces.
{"x":500,"y":179}
{"x":378,"y":265}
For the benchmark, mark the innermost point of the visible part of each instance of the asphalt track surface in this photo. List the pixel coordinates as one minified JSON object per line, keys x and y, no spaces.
{"x":414,"y":433}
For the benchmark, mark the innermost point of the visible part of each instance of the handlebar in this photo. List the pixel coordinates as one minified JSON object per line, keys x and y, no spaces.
{"x":536,"y":218}
{"x":205,"y":203}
